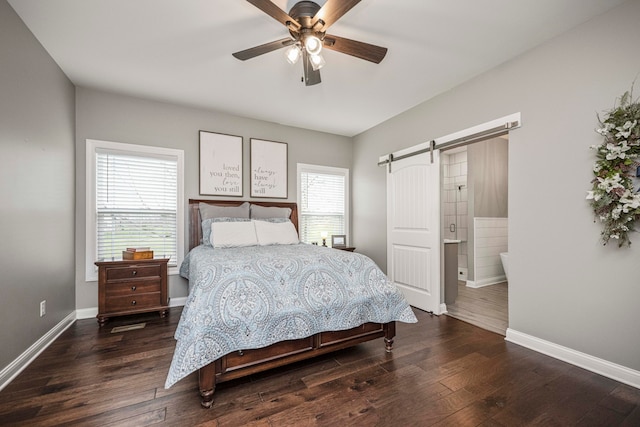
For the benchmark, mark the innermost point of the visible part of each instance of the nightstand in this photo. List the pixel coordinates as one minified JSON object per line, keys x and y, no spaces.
{"x":130,"y":287}
{"x":345,"y":248}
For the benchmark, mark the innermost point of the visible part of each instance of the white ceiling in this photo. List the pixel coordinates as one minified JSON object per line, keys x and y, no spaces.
{"x":179,"y":51}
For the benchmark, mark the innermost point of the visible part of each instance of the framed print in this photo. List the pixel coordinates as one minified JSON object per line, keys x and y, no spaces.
{"x":220,"y":164}
{"x":338,"y":240}
{"x":268,"y":169}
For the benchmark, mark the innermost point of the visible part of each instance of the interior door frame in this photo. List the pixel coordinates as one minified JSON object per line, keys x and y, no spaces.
{"x":487,"y":130}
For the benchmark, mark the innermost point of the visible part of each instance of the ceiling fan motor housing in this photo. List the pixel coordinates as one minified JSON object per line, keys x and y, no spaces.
{"x":303,"y":12}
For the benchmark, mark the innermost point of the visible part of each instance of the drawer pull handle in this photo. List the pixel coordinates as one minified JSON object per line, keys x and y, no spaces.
{"x":134,"y":272}
{"x":133,"y":302}
{"x":240,"y":353}
{"x":133,"y":288}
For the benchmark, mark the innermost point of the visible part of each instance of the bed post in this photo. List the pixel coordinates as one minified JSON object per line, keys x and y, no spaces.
{"x":389,"y":334}
{"x":207,"y":384}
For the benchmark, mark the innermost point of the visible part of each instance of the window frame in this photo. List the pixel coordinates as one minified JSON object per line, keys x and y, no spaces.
{"x":93,"y":145}
{"x":329,"y":170}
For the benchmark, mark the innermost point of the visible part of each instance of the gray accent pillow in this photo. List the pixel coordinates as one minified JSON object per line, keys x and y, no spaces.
{"x":264,"y":212}
{"x":275,"y":220}
{"x":211,"y":211}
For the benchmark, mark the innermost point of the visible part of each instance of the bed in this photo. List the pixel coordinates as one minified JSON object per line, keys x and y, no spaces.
{"x":257,"y":307}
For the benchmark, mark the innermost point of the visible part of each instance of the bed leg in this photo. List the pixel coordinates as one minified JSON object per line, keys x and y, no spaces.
{"x":207,"y":384}
{"x":389,"y":334}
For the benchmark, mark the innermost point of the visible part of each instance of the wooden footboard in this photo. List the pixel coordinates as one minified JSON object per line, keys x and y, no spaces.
{"x":242,"y":363}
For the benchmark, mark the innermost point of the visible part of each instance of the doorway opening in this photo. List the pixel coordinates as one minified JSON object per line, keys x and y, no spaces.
{"x":474,"y":212}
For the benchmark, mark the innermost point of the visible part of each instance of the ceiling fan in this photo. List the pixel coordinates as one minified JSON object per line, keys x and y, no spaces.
{"x":307,"y":23}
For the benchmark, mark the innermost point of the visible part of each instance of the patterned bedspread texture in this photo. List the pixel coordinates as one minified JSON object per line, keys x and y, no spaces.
{"x":251,"y":297}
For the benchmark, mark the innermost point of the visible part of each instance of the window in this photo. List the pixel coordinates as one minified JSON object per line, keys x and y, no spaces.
{"x":134,"y":199}
{"x":323,"y":201}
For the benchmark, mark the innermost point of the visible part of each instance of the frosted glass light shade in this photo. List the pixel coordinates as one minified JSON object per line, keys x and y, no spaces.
{"x":293,"y":54}
{"x":317,"y":62}
{"x":313,"y":45}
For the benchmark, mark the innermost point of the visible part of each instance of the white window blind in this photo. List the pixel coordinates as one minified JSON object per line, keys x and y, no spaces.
{"x":322,"y":202}
{"x":136,"y":204}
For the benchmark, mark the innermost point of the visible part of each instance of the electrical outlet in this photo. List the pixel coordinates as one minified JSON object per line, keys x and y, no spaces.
{"x":43,"y":308}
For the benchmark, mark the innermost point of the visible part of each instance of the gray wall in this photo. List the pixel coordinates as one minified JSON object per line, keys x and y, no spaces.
{"x":565,"y":287}
{"x":36,"y":189}
{"x":112,"y":117}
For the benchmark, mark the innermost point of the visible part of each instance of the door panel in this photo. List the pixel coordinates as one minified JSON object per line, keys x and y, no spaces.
{"x":413,"y":229}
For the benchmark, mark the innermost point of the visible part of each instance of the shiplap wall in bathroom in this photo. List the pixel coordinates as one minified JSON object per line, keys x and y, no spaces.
{"x":490,"y":239}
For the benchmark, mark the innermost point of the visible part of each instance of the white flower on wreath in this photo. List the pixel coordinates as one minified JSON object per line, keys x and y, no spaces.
{"x":615,"y":151}
{"x":608,"y":184}
{"x":630,"y":201}
{"x":604,"y":130}
{"x":625,"y":130}
{"x":592,"y":195}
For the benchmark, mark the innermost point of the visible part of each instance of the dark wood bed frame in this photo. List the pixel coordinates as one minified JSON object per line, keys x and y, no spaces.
{"x":242,"y":363}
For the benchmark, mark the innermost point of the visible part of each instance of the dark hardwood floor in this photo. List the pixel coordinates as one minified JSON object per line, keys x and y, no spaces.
{"x":442,"y":372}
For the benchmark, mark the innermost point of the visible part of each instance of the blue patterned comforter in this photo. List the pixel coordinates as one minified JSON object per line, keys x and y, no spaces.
{"x":252,"y":297}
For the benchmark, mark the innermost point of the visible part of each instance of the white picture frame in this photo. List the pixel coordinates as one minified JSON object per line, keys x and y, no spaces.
{"x":221,"y":172}
{"x":268,"y":167}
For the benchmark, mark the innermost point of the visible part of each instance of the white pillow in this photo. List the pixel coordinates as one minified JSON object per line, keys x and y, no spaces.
{"x":276,"y":233}
{"x":233,"y":234}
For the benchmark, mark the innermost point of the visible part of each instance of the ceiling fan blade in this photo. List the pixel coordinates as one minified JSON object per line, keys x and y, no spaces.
{"x":276,"y":13}
{"x":331,"y":12}
{"x":355,"y":48}
{"x":311,"y":76}
{"x":243,"y":55}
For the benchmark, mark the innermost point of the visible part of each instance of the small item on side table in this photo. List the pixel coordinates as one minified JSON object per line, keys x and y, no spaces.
{"x":128,"y":254}
{"x":131,"y":287}
{"x":323,"y":236}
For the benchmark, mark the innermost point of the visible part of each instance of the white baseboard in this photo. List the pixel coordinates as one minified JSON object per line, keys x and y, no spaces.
{"x":91,"y":312}
{"x":86,"y":313}
{"x":486,"y":282}
{"x":177,"y":302}
{"x":599,"y":366}
{"x":443,"y":308}
{"x":18,"y":365}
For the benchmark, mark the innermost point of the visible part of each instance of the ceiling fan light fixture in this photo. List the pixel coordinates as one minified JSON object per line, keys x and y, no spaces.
{"x":313,"y":45}
{"x":293,"y":54}
{"x":317,"y":62}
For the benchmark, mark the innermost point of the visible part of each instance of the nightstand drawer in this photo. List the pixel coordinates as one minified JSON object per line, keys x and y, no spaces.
{"x":133,"y":302}
{"x":132,"y":287}
{"x":133,"y":272}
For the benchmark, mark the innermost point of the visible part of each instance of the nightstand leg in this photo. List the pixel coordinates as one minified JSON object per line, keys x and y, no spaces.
{"x":102,"y":320}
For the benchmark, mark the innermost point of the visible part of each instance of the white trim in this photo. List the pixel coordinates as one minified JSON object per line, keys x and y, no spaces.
{"x":29,"y":355}
{"x":86,"y":313}
{"x":465,"y":133}
{"x":177,"y":302}
{"x":91,"y":312}
{"x":599,"y":366}
{"x":443,"y":308}
{"x":91,"y":271}
{"x":486,"y":282}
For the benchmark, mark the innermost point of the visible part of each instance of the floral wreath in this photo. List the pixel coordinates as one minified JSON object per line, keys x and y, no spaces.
{"x":613,"y":198}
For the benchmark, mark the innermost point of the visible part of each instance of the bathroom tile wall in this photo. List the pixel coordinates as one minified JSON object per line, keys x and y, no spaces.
{"x":455,"y":191}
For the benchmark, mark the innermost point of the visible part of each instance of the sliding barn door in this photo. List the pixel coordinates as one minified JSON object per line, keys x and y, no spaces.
{"x":413,"y":229}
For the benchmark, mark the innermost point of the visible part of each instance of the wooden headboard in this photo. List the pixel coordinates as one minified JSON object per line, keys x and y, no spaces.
{"x":195,"y":230}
